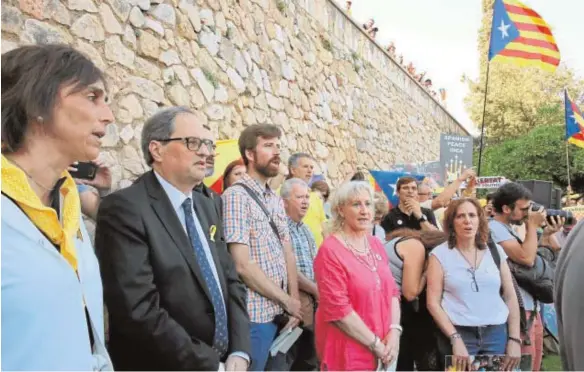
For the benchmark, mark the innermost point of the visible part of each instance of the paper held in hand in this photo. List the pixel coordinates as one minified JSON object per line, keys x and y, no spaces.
{"x":285,"y":340}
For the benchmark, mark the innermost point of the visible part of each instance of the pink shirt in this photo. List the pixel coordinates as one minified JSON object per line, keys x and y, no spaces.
{"x":345,"y":284}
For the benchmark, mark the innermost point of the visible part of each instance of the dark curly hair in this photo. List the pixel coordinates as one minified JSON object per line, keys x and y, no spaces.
{"x":450,"y":215}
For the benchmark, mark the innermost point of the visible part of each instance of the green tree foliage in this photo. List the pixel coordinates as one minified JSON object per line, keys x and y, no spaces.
{"x":538,"y":155}
{"x":519,"y":98}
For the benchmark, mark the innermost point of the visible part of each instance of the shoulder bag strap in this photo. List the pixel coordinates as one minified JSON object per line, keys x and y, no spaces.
{"x":259,"y":202}
{"x":494,"y":252}
{"x":525,"y":324}
{"x":512,"y":232}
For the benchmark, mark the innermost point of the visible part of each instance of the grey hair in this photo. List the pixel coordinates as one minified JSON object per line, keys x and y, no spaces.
{"x":424,"y":184}
{"x":288,"y":185}
{"x":294,"y":158}
{"x":160,"y":126}
{"x":345,"y":193}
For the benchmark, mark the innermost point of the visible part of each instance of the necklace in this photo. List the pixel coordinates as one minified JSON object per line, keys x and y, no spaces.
{"x":366,"y":257}
{"x":472,"y":269}
{"x":31,"y":177}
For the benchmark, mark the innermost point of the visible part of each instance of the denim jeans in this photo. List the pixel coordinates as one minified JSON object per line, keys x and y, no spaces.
{"x":485,"y":340}
{"x":262,"y":336}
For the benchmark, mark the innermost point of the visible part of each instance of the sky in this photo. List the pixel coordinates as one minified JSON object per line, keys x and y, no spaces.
{"x":441,"y":37}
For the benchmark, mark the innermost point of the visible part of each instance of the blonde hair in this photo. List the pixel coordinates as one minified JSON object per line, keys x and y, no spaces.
{"x":345,"y":193}
{"x":381,"y":204}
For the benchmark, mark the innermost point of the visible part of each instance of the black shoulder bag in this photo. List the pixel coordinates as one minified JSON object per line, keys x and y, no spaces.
{"x":537,"y":280}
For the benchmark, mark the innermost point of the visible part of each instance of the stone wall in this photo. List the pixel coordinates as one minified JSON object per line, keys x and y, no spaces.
{"x":301,"y":64}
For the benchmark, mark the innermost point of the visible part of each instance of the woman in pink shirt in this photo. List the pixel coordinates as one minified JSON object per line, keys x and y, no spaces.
{"x":358,"y":317}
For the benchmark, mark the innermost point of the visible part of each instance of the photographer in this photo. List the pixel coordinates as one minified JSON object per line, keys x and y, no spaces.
{"x":512,"y":207}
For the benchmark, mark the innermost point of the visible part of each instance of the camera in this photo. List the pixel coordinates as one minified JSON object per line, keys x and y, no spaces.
{"x":569,"y":217}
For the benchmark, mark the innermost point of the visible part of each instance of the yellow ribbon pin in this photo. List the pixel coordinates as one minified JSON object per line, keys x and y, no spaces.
{"x":212,"y":232}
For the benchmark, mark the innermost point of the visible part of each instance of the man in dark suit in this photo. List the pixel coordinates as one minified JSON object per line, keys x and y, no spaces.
{"x":208,"y":192}
{"x":175,"y":301}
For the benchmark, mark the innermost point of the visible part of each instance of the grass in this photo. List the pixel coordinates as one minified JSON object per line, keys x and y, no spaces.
{"x":356,"y":62}
{"x":552,"y":363}
{"x":281,"y":5}
{"x":209,"y":76}
{"x":326,"y":44}
{"x":229,"y":33}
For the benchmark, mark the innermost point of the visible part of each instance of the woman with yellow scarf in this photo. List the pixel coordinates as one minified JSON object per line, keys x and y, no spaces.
{"x":54,"y":112}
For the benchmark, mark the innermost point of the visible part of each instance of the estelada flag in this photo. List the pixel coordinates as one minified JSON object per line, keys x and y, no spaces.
{"x":227,"y":151}
{"x":520,"y":35}
{"x":574,"y":122}
{"x":387,"y":181}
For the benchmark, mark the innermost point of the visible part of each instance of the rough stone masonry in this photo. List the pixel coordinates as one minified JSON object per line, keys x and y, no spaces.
{"x":300,"y":64}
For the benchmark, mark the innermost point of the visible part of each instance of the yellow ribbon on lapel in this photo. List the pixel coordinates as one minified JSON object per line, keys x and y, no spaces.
{"x":212,"y":231}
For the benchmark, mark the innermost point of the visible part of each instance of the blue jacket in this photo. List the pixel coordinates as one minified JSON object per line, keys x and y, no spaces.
{"x":44,"y":326}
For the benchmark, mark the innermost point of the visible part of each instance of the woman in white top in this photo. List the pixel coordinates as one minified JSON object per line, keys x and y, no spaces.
{"x":464,"y":290}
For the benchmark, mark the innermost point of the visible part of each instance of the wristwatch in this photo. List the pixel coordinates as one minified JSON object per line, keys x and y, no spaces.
{"x":423,"y":218}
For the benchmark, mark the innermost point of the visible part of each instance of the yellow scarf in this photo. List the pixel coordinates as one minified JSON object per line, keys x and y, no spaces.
{"x":15,"y":185}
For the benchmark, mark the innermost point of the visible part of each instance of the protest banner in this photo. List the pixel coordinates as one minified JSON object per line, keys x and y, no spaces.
{"x":455,"y":156}
{"x":490,"y":182}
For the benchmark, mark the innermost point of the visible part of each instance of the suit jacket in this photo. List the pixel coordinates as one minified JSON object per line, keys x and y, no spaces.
{"x":215,"y":198}
{"x":160,"y":312}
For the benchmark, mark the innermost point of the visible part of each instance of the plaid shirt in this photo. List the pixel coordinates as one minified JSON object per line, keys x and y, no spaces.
{"x":304,"y":247}
{"x":246,"y":223}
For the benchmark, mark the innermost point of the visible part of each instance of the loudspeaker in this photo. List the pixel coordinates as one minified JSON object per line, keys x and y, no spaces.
{"x":544,"y":193}
{"x":556,"y":198}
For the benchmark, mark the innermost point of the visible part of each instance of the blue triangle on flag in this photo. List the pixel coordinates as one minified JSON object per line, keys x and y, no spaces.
{"x":387,"y":182}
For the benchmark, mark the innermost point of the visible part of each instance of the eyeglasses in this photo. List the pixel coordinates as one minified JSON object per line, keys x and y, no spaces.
{"x":193,"y":143}
{"x":474,"y":285}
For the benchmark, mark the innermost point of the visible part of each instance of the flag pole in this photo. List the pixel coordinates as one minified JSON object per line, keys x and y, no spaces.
{"x":568,"y":168}
{"x":486,"y":92}
{"x":483,"y":123}
{"x":567,"y":150}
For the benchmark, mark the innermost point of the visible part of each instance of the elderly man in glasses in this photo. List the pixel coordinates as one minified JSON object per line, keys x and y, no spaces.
{"x":174,"y":298}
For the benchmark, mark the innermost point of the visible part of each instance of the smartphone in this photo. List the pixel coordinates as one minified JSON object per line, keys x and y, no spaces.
{"x":85,"y":170}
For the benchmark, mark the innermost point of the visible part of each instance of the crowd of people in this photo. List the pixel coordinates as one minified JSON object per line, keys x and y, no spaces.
{"x":372,"y":29}
{"x":194,"y":280}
